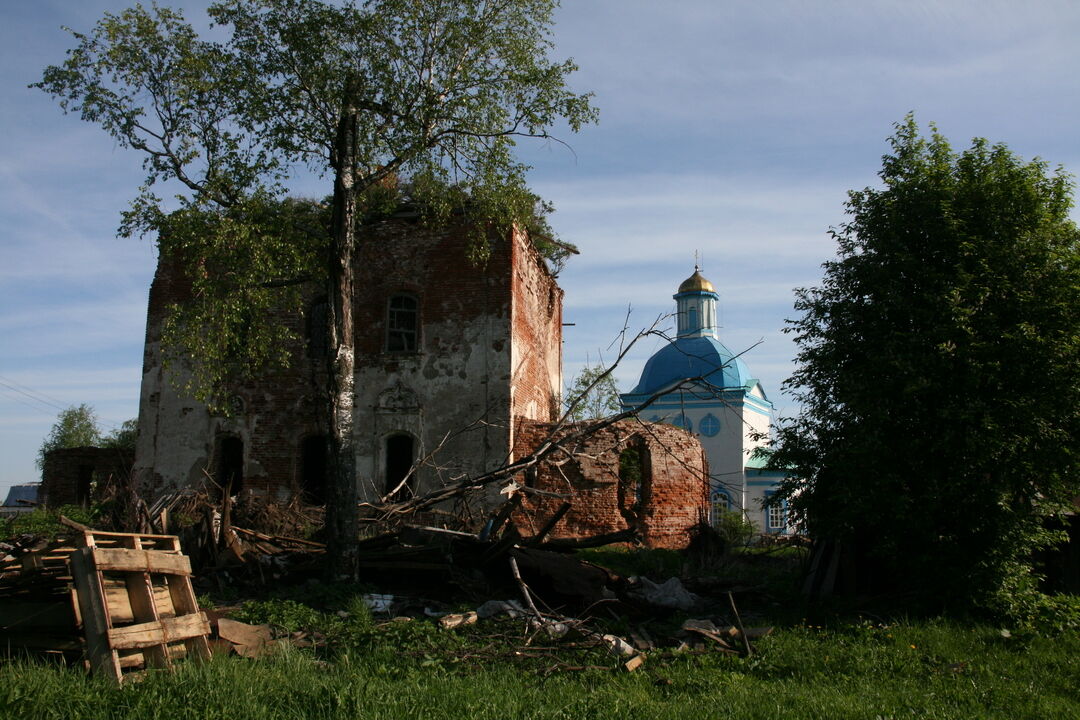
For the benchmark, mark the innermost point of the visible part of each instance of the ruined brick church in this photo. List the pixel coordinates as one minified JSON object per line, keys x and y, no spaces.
{"x":457,"y":365}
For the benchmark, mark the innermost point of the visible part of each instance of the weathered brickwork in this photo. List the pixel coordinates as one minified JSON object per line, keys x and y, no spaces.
{"x":646,"y":476}
{"x":450,"y":396}
{"x":68,"y":474}
{"x":536,"y":339}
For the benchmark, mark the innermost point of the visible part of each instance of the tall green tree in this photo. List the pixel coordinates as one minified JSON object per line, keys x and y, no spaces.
{"x":77,"y":426}
{"x":939,"y":372}
{"x":359,"y":92}
{"x":591,"y":395}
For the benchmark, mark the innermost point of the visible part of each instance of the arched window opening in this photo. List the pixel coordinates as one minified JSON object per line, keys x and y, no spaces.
{"x":719,"y":506}
{"x":229,"y":467}
{"x":313,"y":469}
{"x":776,"y":516}
{"x":399,"y":460}
{"x":402,"y":324}
{"x":633,"y":478}
{"x":631,"y":474}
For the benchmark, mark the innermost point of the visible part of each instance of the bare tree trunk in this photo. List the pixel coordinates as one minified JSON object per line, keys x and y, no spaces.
{"x":342,"y":512}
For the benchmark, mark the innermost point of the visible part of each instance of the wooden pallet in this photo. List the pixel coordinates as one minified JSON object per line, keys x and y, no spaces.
{"x":134,"y":595}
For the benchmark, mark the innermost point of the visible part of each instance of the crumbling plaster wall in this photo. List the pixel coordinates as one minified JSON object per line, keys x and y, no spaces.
{"x":670,"y":500}
{"x":453,"y":395}
{"x":178,"y":435}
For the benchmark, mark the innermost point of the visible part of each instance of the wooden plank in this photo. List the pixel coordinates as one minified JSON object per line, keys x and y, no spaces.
{"x":182,"y":597}
{"x":143,"y":611}
{"x":129,"y":560}
{"x":95,"y":614}
{"x":144,"y":635}
{"x":115,"y":537}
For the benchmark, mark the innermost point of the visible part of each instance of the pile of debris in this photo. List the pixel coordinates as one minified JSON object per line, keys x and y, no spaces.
{"x":88,"y":597}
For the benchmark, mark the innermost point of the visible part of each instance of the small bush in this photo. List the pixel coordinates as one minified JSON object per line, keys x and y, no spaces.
{"x":45,"y":522}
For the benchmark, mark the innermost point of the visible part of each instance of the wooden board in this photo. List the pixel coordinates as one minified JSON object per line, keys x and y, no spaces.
{"x":135,"y":596}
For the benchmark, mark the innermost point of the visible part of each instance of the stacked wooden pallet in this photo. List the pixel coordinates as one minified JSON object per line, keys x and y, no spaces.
{"x":37,"y":613}
{"x":130,"y":594}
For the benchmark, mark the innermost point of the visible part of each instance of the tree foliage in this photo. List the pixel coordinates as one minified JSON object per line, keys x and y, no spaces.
{"x":939,"y":372}
{"x":75,"y":427}
{"x":360,"y":93}
{"x":591,"y":395}
{"x":435,"y":91}
{"x":123,"y":437}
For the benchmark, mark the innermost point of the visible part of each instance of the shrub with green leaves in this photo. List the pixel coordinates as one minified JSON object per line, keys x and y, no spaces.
{"x":939,"y":375}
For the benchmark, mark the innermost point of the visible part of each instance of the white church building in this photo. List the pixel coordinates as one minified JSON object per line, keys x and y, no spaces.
{"x":700,"y":385}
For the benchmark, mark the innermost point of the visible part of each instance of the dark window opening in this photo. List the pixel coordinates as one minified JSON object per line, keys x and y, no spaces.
{"x":313,"y":469}
{"x":318,"y":329}
{"x":399,"y":460}
{"x":632,"y":478}
{"x":83,"y":485}
{"x":229,"y":472}
{"x":402,"y":324}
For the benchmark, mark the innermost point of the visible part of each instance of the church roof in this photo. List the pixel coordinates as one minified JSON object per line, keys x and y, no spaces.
{"x":693,"y":357}
{"x":696,"y":283}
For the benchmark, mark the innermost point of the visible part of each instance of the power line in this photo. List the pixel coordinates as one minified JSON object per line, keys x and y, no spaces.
{"x":37,"y":396}
{"x":32,"y":397}
{"x":8,"y":382}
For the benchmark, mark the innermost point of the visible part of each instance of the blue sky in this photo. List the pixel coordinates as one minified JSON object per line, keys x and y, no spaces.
{"x":730,"y":128}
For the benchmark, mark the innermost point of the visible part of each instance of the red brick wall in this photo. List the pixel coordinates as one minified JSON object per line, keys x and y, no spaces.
{"x":536,"y":327}
{"x":674,"y":485}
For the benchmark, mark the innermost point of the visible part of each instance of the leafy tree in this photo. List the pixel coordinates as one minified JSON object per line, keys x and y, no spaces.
{"x":360,"y":93}
{"x":939,"y":372}
{"x":75,"y":427}
{"x":592,"y":394}
{"x":123,"y":437}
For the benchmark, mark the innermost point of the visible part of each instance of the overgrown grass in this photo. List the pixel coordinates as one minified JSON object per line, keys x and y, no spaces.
{"x":366,"y":667}
{"x":934,"y":669}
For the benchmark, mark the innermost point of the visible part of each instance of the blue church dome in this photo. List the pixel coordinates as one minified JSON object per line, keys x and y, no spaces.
{"x":691,"y":357}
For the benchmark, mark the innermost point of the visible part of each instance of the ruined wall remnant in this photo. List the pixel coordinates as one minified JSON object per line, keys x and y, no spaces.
{"x":69,"y":475}
{"x":447,"y":353}
{"x":632,"y":474}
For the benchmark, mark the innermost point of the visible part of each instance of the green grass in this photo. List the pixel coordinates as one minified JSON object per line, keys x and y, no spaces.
{"x":934,"y":669}
{"x":45,"y":522}
{"x":839,"y":667}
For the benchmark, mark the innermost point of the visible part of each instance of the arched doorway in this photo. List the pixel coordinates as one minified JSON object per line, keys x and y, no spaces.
{"x":229,"y":467}
{"x":398,"y":461}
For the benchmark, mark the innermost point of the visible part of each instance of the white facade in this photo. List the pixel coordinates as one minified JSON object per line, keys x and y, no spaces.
{"x":697,"y":383}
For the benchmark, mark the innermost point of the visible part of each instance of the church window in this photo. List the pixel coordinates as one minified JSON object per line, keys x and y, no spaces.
{"x":402,"y":324}
{"x":709,"y":425}
{"x":680,"y":421}
{"x":719,"y":503}
{"x":776,"y":516}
